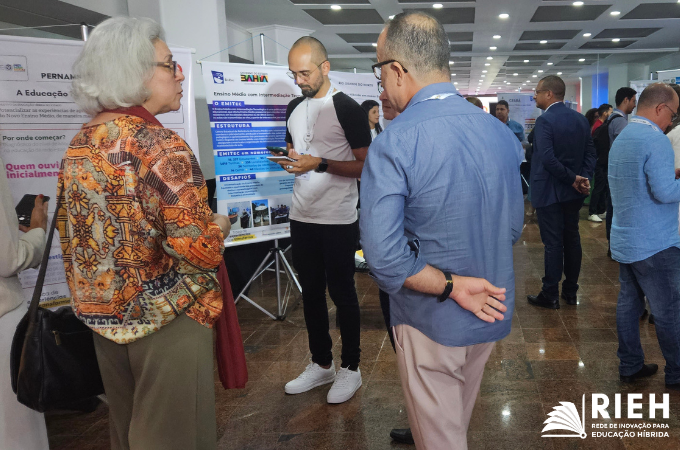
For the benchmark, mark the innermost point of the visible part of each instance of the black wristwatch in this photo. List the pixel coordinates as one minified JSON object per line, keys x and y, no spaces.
{"x":447,"y":290}
{"x":322,"y":167}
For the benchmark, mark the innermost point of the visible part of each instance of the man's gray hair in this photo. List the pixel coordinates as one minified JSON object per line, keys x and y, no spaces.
{"x":655,"y":94}
{"x":418,"y":41}
{"x":116,"y":61}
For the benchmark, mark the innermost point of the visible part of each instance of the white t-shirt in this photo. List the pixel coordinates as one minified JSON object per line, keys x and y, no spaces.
{"x":339,"y":125}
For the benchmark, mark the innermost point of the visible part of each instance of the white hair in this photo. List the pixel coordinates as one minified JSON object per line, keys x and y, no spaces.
{"x":116,"y":62}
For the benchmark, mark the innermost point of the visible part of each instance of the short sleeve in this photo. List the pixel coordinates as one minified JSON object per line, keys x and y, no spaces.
{"x":353,"y":120}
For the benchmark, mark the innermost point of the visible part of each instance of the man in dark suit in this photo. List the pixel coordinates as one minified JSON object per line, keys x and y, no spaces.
{"x":561,"y":168}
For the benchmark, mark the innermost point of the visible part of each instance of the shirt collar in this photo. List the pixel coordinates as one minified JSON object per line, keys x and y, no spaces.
{"x":546,"y":109}
{"x":617,"y":110}
{"x":430,"y":90}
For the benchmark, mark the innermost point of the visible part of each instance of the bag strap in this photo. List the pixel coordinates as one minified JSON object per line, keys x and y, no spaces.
{"x":37,"y":291}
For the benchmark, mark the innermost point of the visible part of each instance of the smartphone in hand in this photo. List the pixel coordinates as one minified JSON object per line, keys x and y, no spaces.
{"x":281,"y":150}
{"x":25,"y":207}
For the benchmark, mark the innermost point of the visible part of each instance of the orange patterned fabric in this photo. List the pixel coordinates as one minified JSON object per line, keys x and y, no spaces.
{"x":138,"y":245}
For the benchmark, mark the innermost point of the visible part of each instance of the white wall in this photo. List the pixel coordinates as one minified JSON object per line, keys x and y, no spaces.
{"x":236,"y":35}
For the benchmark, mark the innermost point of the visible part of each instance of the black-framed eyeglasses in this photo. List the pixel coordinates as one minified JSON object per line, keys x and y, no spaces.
{"x":380,"y":87}
{"x":377,"y":68}
{"x":172,"y":65}
{"x":674,"y":115}
{"x":304,"y":74}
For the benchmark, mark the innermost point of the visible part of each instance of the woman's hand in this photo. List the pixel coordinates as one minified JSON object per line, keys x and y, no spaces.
{"x":223,"y":223}
{"x":38,"y":216}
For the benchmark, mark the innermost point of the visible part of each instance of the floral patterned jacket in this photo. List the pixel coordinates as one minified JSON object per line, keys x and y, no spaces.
{"x":136,"y":235}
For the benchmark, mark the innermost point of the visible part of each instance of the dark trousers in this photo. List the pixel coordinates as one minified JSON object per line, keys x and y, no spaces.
{"x":558,"y":224}
{"x":610,"y":214}
{"x":600,"y":194}
{"x":324,"y":255}
{"x":657,"y":277}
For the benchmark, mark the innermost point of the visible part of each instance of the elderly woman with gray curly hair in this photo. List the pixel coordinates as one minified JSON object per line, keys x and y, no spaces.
{"x":140,"y":244}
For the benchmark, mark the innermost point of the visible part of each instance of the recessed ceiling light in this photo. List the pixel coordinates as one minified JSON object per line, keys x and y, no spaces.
{"x":526,"y":60}
{"x":559,"y":73}
{"x":336,"y":7}
{"x":515,"y":74}
{"x":484,"y":71}
{"x":455,"y":82}
{"x":451,"y":63}
{"x":374,"y":44}
{"x":493,"y":48}
{"x":504,"y":16}
{"x":498,"y":36}
{"x":483,"y":76}
{"x":581,"y":60}
{"x":392,"y":17}
{"x":550,"y":64}
{"x":437,"y":6}
{"x":543,"y":42}
{"x":616,"y":40}
{"x":588,"y":34}
{"x":615,"y":13}
{"x":487,"y":64}
{"x":489,"y":57}
{"x":453,"y":74}
{"x":534,"y":76}
{"x":540,"y":71}
{"x":524,"y":84}
{"x":577,"y":3}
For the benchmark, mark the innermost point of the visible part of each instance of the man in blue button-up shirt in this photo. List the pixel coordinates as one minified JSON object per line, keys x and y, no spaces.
{"x":441,"y":200}
{"x":644,"y":237}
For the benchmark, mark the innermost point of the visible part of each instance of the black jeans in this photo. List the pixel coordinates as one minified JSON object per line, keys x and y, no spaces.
{"x":599,"y":197}
{"x":558,"y":224}
{"x":324,"y":254}
{"x":610,"y":213}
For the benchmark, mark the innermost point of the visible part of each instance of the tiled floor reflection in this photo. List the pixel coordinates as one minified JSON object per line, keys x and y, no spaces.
{"x":550,"y":356}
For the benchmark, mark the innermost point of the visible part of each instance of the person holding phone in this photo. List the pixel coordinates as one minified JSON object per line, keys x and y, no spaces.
{"x":20,"y":427}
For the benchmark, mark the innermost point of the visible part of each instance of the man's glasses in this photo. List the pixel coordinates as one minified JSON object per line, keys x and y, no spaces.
{"x":540,"y":90}
{"x":377,"y":68}
{"x":674,"y":115}
{"x":172,"y":65}
{"x":303,"y":74}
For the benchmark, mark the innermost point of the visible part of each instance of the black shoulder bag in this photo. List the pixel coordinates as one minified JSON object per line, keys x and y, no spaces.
{"x":53,"y":362}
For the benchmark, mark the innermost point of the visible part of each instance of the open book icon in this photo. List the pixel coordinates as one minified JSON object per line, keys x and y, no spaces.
{"x":565,"y":417}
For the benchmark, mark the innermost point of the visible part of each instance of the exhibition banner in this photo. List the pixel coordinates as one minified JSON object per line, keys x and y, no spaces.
{"x":247,"y":107}
{"x":523,"y":109}
{"x":38,"y":119}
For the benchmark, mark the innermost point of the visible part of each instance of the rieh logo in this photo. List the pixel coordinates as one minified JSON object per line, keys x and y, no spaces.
{"x":565,"y":417}
{"x":218,"y":77}
{"x":254,"y":78}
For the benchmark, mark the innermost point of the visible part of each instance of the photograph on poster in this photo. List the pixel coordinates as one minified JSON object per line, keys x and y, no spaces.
{"x":261,"y":213}
{"x":280,"y":210}
{"x":240,"y":215}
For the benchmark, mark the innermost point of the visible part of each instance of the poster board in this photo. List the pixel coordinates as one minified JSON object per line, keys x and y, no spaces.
{"x":247,"y":107}
{"x":523,"y":109}
{"x":38,"y":119}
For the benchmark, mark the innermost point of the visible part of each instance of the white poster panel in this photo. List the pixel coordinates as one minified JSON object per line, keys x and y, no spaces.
{"x":523,"y":109}
{"x":247,"y":106}
{"x":38,"y":119}
{"x":669,"y":76}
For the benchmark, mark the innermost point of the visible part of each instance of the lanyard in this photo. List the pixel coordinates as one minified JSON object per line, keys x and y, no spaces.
{"x":435,"y":97}
{"x":310,"y":128}
{"x":644,"y":122}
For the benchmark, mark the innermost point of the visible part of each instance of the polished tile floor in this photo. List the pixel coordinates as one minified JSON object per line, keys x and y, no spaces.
{"x":550,"y":356}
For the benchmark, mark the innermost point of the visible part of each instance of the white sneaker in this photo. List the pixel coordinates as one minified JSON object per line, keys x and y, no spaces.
{"x":347,"y":382}
{"x":313,"y":376}
{"x":594,"y":218}
{"x":603,"y":216}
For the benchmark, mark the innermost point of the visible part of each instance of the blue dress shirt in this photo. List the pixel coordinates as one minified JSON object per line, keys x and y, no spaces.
{"x":441,"y":186}
{"x":644,"y":191}
{"x":516,"y":128}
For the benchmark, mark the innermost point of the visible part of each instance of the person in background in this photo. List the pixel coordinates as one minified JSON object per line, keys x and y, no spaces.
{"x":502,"y":111}
{"x":599,"y":197}
{"x":426,"y":224}
{"x":474,"y":100}
{"x":140,"y":244}
{"x":673,"y":132}
{"x":562,"y":164}
{"x":626,"y":100}
{"x":372,"y":109}
{"x":20,"y":427}
{"x":592,"y":116}
{"x":644,"y":239}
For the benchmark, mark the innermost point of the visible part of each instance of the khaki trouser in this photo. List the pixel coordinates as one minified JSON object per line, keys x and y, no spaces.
{"x":440,"y":385}
{"x":160,"y":388}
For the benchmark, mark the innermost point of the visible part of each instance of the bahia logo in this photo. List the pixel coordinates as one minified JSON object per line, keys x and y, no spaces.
{"x":565,"y":417}
{"x":218,"y":77}
{"x":254,"y":77}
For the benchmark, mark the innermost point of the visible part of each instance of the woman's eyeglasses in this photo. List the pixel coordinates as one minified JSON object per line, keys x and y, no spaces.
{"x":172,"y":65}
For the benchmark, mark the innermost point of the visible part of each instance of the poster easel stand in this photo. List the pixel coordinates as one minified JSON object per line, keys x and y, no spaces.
{"x":277,"y":257}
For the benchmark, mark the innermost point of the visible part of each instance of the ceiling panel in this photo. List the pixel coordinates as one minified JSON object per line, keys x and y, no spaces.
{"x":523,"y":46}
{"x":430,"y":1}
{"x":654,"y":11}
{"x":40,"y":13}
{"x":448,"y":16}
{"x":461,"y":47}
{"x":460,"y":36}
{"x":548,"y":34}
{"x":568,"y":13}
{"x":521,"y":58}
{"x":365,"y":48}
{"x":359,"y":38}
{"x":623,"y":43}
{"x":625,"y":33}
{"x":330,"y":2}
{"x":346,"y":16}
